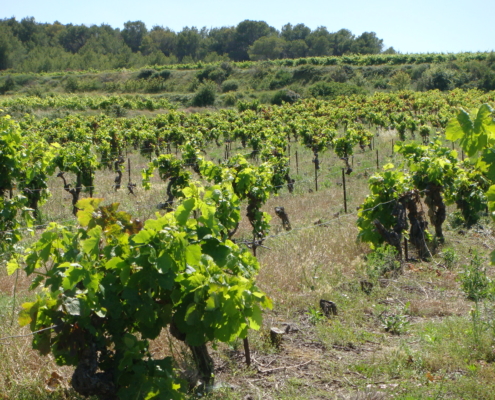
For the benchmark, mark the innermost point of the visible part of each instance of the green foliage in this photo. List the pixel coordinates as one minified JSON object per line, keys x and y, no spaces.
{"x":146,"y":73}
{"x":450,"y":257}
{"x":401,"y":80}
{"x":331,"y":90}
{"x":440,"y":78}
{"x":475,"y":130}
{"x":396,"y":324}
{"x":282,"y":78}
{"x":385,"y":188}
{"x":205,"y":95}
{"x":230,"y":85}
{"x":14,"y":162}
{"x":474,"y":281}
{"x":230,"y":99}
{"x":112,"y":286}
{"x":285,"y":96}
{"x":315,"y":316}
{"x":381,"y":261}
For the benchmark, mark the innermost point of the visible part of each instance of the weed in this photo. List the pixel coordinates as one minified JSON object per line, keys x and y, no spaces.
{"x":382,"y":261}
{"x":450,"y":257}
{"x":315,"y":316}
{"x":396,"y":324}
{"x":474,"y":281}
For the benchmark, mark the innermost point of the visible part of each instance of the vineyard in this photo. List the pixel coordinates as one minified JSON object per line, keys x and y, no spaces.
{"x":321,"y":249}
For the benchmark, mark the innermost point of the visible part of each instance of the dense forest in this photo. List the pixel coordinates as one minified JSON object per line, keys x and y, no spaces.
{"x":29,"y":46}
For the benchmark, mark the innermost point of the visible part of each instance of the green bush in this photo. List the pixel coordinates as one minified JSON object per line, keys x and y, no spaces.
{"x":285,"y":96}
{"x":146,"y":73}
{"x":230,"y":85}
{"x":330,"y":90}
{"x":71,"y":84}
{"x":306,"y":73}
{"x":165,"y":74}
{"x":8,"y":84}
{"x":474,"y":281}
{"x":212,"y":73}
{"x":205,"y":95}
{"x":282,"y":78}
{"x":381,"y":261}
{"x":230,"y":99}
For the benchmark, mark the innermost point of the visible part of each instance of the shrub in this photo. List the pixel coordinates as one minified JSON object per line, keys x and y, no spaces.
{"x":401,"y":80}
{"x":165,"y":74}
{"x":281,"y":79}
{"x":438,"y":77}
{"x":227,"y":67}
{"x":306,"y":73}
{"x":8,"y":84}
{"x":230,"y":99}
{"x":230,"y":85}
{"x":205,"y":95}
{"x":381,"y":261}
{"x":474,"y":281}
{"x":71,"y":84}
{"x":285,"y":96}
{"x":212,"y":73}
{"x":145,"y":73}
{"x":330,"y":90}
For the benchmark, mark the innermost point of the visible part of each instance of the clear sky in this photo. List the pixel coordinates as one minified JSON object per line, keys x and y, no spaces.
{"x":409,"y":26}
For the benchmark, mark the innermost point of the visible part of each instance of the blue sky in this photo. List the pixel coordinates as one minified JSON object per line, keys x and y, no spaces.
{"x":408,"y":26}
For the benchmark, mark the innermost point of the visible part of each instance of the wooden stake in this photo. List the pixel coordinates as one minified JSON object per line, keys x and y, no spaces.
{"x":343,"y":187}
{"x":91,"y":187}
{"x":247,"y":352}
{"x":316,"y":177}
{"x":129,"y":168}
{"x":406,"y":254}
{"x":297,"y":164}
{"x":377,"y":165}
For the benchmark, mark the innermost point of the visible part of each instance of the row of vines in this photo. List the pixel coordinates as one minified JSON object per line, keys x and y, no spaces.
{"x":113,"y":283}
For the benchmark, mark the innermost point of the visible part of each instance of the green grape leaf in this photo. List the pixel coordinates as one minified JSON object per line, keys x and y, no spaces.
{"x":256,"y":319}
{"x":143,"y":237}
{"x":459,"y":126}
{"x":184,"y":210}
{"x":91,"y":246}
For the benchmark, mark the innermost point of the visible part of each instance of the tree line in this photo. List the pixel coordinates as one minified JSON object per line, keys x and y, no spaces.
{"x":29,"y":46}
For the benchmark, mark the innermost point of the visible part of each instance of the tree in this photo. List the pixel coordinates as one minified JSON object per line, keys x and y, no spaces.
{"x":104,"y":40}
{"x":188,"y":41}
{"x":319,"y":42}
{"x":341,"y":42}
{"x":11,"y":48}
{"x":296,"y":49}
{"x":164,"y":39}
{"x":401,"y":80}
{"x":74,"y":37}
{"x":133,"y":34}
{"x":267,"y":48}
{"x":297,"y":32}
{"x":222,"y":40}
{"x":247,"y":32}
{"x":390,"y":50}
{"x":367,"y":43}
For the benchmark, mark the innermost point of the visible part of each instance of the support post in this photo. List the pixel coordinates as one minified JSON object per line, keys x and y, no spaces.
{"x":343,"y":187}
{"x":247,"y":352}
